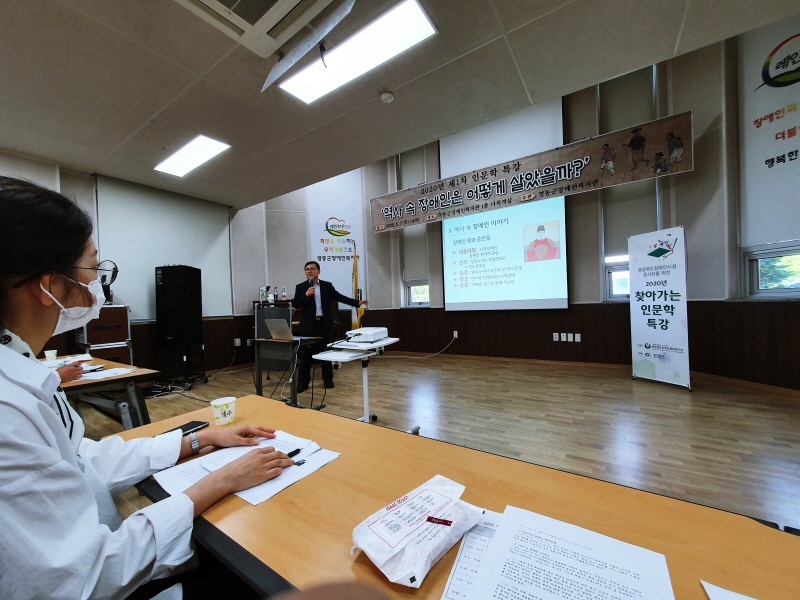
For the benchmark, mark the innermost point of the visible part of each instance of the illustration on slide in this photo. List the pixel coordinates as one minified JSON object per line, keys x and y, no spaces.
{"x":542,"y":241}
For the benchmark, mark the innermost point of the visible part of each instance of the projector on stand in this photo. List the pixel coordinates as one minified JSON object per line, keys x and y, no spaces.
{"x":367,"y":334}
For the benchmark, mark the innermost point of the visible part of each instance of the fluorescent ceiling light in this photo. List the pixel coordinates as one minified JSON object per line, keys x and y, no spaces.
{"x":390,"y":34}
{"x":192,"y":155}
{"x":616,"y":259}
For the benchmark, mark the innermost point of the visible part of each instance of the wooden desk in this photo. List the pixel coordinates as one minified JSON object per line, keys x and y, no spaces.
{"x":304,"y":533}
{"x":80,"y":391}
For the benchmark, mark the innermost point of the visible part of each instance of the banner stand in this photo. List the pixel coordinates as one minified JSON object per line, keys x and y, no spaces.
{"x":659,"y":324}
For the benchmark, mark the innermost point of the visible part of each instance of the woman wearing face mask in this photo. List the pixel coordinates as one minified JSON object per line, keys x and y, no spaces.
{"x":61,"y":534}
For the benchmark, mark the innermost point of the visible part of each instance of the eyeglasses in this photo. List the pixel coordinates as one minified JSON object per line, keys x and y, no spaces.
{"x":107,"y":271}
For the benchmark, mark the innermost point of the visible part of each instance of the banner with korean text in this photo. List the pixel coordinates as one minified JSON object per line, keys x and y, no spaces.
{"x":659,"y":327}
{"x":335,"y":221}
{"x":654,"y":149}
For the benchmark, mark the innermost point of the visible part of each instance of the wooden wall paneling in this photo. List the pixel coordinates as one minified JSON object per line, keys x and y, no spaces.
{"x":752,"y":341}
{"x":786,"y":332}
{"x":754,"y":331}
{"x":143,"y":339}
{"x":701,"y":356}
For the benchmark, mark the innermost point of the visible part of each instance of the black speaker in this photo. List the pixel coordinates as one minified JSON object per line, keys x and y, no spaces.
{"x":179,"y":307}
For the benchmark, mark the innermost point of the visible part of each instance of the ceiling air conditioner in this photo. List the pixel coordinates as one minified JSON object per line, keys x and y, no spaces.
{"x":262,"y":26}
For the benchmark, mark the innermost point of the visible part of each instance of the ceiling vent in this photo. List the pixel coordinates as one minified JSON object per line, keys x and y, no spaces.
{"x":262,"y":26}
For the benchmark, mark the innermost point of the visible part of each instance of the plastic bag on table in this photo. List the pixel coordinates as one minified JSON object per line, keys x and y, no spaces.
{"x":407,"y":537}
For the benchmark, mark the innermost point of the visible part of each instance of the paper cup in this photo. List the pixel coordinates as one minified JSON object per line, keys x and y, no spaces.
{"x":50,"y":354}
{"x":223,"y":410}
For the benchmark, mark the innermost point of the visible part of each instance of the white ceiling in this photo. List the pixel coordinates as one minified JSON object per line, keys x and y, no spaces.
{"x":115,"y":86}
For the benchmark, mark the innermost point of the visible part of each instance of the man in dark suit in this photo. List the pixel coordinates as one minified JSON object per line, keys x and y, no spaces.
{"x":315,"y":297}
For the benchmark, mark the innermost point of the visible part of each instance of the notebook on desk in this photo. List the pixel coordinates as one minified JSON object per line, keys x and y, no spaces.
{"x":278,"y":329}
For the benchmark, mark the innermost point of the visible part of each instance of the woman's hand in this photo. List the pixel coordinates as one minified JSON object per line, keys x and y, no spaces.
{"x":70,"y":372}
{"x":254,"y":468}
{"x":241,"y":435}
{"x":225,"y":437}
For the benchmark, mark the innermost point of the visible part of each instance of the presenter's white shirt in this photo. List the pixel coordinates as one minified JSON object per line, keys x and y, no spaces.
{"x":317,"y":298}
{"x":61,"y":534}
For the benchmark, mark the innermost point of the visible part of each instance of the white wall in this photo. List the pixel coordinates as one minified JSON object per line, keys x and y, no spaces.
{"x":525,"y":132}
{"x":141,"y":228}
{"x":287,"y":240}
{"x":248,"y":256}
{"x":40,"y":172}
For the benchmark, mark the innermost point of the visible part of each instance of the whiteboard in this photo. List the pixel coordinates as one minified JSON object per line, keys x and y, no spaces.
{"x":141,"y":228}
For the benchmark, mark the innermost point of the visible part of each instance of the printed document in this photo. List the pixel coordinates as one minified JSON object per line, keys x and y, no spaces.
{"x":471,"y":553}
{"x":179,"y":478}
{"x":533,"y":556}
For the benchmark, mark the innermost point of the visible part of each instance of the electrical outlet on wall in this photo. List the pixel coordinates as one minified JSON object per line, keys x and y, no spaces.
{"x":455,"y":334}
{"x":555,"y":337}
{"x":563,"y":337}
{"x":570,"y":337}
{"x":237,"y":342}
{"x":577,"y":337}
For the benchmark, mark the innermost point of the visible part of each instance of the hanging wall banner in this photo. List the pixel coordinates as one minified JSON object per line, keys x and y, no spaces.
{"x":334,"y":213}
{"x":659,"y":329}
{"x":654,"y":149}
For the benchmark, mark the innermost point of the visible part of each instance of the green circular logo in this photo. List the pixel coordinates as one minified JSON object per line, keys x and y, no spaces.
{"x":786,"y":77}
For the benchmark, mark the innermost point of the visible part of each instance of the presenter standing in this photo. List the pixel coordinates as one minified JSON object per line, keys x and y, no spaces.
{"x":315,"y":297}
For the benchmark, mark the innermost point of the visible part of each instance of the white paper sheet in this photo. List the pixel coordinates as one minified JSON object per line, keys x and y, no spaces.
{"x":471,"y":553}
{"x":104,"y":374}
{"x":179,"y":478}
{"x":60,"y":362}
{"x":533,"y":556}
{"x":717,"y":593}
{"x":265,"y":491}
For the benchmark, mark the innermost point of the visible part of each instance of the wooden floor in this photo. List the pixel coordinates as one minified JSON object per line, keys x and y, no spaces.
{"x":727,"y":444}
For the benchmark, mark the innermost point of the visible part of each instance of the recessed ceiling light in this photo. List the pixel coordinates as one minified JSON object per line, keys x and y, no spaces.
{"x":191,"y":156}
{"x":616,"y":259}
{"x":390,"y":34}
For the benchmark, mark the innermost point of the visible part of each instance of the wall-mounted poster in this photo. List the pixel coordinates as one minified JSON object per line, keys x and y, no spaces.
{"x":659,"y":327}
{"x":769,"y":131}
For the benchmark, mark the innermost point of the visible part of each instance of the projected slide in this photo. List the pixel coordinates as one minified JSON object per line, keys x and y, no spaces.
{"x":505,"y":259}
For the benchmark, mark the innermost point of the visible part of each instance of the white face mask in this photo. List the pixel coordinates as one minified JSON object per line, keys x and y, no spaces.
{"x":78,"y":316}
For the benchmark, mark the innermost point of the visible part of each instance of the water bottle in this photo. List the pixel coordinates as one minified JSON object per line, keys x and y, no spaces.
{"x":283,"y":293}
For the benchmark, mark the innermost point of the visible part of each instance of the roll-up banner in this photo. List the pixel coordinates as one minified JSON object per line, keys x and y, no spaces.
{"x":659,"y":327}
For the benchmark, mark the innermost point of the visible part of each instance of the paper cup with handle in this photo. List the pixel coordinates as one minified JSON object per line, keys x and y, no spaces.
{"x":223,"y":409}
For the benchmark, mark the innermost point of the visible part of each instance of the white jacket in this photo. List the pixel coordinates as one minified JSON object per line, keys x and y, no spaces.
{"x":61,"y":534}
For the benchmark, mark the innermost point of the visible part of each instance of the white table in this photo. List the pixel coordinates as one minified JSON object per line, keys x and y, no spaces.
{"x":343,"y":352}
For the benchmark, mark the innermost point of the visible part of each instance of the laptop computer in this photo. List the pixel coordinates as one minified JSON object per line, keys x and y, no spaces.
{"x":279,"y":330}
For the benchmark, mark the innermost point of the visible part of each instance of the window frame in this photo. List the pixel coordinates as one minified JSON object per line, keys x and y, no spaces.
{"x":750,"y":255}
{"x":610,"y":268}
{"x":413,"y":283}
